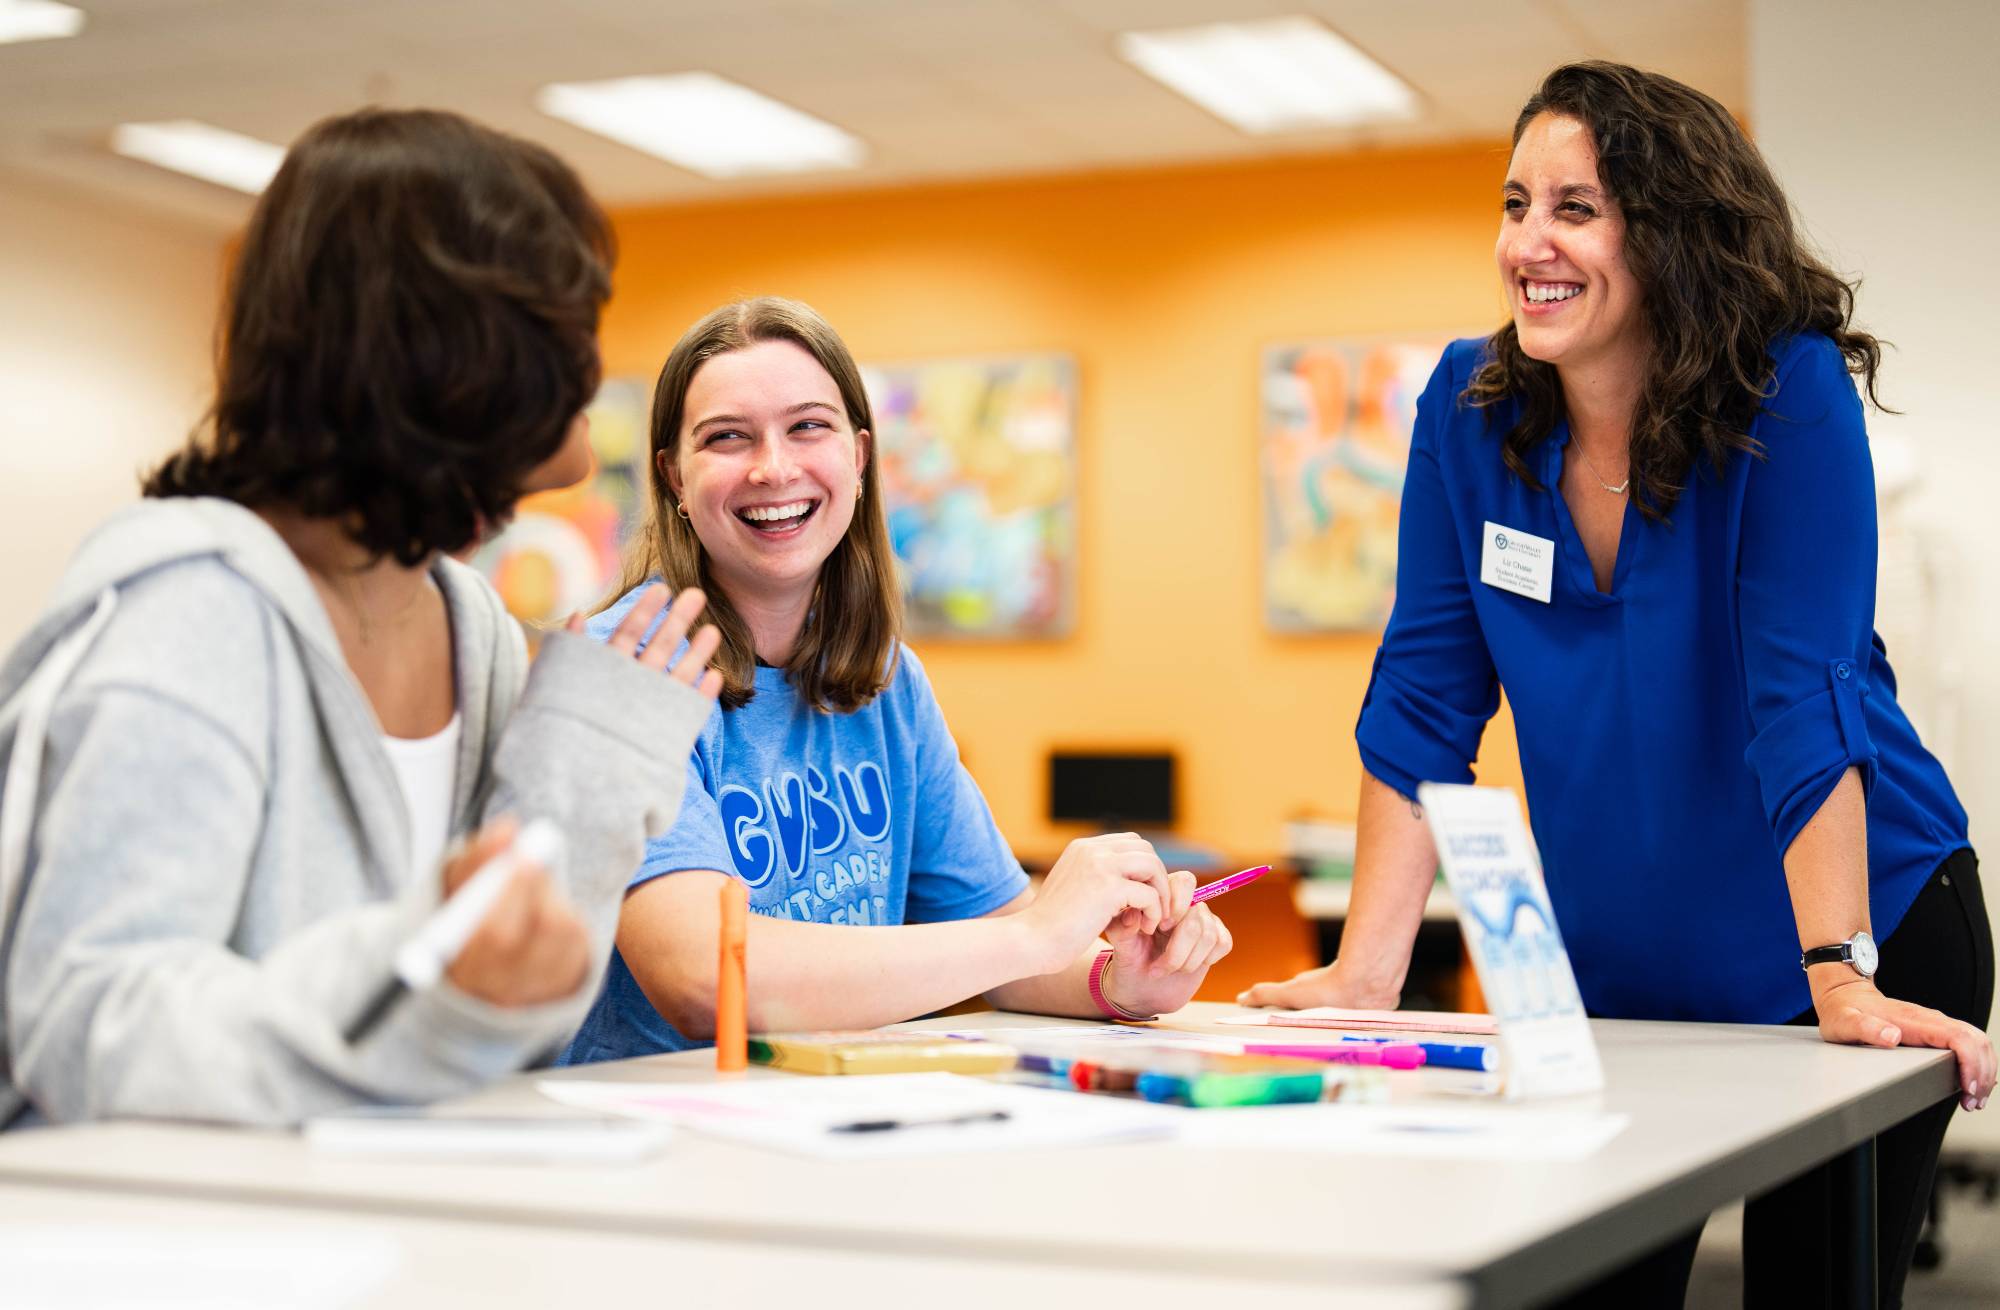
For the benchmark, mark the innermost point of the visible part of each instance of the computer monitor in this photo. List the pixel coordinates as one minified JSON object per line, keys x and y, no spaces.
{"x":1113,"y":791}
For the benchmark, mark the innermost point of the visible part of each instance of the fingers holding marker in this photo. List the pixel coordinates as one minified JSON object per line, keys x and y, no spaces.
{"x":472,"y":853}
{"x":1178,"y":949}
{"x":1180,"y":895}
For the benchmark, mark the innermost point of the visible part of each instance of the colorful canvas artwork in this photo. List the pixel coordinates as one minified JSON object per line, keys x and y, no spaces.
{"x":561,"y":552}
{"x":1336,"y":437}
{"x":977,"y":462}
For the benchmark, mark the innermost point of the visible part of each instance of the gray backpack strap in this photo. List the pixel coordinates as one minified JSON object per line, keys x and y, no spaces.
{"x":37,"y":702}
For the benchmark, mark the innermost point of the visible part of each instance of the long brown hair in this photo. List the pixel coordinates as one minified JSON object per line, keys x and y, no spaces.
{"x":410,"y":329}
{"x":1722,"y":270}
{"x":846,"y":653}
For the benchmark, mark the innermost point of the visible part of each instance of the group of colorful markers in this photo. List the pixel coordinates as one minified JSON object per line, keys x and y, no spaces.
{"x":1257,"y":1073}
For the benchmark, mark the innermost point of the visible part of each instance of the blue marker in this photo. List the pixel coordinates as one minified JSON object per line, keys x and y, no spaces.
{"x":1444,"y":1055}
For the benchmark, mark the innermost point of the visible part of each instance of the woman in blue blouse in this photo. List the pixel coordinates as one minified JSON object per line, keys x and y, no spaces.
{"x":1645,"y":507}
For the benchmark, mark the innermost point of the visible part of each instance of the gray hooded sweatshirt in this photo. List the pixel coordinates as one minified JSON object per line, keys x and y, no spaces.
{"x":210,"y":863}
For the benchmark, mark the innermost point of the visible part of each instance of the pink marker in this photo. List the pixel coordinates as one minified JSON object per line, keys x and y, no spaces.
{"x":1222,"y":886}
{"x":1390,"y":1055}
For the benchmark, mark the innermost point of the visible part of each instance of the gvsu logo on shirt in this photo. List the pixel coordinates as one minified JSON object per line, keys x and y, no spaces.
{"x":791,"y":824}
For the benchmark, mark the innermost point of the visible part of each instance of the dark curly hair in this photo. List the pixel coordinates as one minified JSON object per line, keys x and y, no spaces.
{"x":1723,"y":273}
{"x":410,"y":328}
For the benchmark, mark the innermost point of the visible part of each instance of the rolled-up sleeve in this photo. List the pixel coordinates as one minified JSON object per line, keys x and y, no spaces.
{"x":1434,"y":686}
{"x":1806,"y":590}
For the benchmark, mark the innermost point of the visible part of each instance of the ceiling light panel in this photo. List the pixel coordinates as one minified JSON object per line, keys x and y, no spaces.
{"x":1281,"y":75}
{"x":38,"y":20}
{"x":704,"y":123}
{"x":201,"y":150}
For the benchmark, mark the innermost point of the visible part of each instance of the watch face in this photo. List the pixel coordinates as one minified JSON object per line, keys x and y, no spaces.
{"x":1865,"y":957}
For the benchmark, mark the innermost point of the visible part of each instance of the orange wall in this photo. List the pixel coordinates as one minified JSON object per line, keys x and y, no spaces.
{"x":1164,"y":286}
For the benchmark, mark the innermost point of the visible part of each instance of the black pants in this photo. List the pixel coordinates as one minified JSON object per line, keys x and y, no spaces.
{"x":1941,"y":956}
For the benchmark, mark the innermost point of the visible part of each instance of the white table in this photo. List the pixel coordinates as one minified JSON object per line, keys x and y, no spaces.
{"x":80,"y":1249}
{"x":1718,"y":1112}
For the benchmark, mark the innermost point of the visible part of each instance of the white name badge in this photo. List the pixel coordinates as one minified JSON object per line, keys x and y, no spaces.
{"x":1510,"y":932}
{"x":1517,"y":561}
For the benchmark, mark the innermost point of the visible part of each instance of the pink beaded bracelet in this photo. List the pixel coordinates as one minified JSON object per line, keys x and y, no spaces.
{"x":1108,"y":1007}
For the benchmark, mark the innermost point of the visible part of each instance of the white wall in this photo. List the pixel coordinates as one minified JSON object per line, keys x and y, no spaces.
{"x":105,"y":323}
{"x":1881,"y":121}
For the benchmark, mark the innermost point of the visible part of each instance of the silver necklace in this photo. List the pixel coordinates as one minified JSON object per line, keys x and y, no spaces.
{"x":1598,"y":478}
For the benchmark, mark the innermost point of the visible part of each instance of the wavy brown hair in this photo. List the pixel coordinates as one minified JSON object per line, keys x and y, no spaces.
{"x":1722,"y":270}
{"x":409,"y":330}
{"x":846,"y":653}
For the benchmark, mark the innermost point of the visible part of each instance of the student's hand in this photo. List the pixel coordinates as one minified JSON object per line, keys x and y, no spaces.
{"x":1097,"y":880}
{"x":692,"y":666}
{"x":1327,"y":985}
{"x":531,"y":947}
{"x":1855,"y":1013}
{"x":1158,"y":972}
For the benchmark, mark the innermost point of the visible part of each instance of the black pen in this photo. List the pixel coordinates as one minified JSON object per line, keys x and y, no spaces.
{"x":947,"y":1121}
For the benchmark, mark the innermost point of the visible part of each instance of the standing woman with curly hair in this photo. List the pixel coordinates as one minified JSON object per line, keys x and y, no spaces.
{"x":1731,"y":809}
{"x":267,"y":721}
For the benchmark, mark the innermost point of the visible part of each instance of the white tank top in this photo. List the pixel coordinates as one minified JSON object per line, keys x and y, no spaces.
{"x":427,"y":769}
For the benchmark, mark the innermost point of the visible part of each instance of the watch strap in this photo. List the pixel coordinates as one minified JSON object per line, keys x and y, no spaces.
{"x":1838,"y":953}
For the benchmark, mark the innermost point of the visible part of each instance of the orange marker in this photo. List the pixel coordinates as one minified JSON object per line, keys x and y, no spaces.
{"x":731,"y":1027}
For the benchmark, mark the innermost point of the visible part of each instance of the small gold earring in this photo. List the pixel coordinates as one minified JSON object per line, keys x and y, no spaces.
{"x":681,"y":509}
{"x":858,"y":489}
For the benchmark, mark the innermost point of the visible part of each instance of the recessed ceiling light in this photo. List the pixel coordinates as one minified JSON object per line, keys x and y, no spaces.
{"x":200,"y":150}
{"x":703,"y":123}
{"x":1280,"y":75}
{"x":38,"y":20}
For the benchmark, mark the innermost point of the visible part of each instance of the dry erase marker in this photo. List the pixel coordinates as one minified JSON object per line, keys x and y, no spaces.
{"x":1389,"y":1055}
{"x":1223,"y":886}
{"x":732,"y":1047}
{"x":423,"y":959}
{"x":1446,"y":1055}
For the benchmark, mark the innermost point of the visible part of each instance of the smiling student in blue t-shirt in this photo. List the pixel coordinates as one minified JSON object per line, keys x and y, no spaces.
{"x":830,"y":785}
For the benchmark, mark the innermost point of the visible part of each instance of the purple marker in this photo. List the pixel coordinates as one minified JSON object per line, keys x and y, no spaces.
{"x":1222,"y":886}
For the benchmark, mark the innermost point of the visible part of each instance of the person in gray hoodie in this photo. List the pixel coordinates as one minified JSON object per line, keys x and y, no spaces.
{"x":263,"y":702}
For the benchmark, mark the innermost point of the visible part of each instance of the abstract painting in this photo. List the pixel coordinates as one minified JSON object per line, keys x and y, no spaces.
{"x":1335,"y":441}
{"x":977,"y":462}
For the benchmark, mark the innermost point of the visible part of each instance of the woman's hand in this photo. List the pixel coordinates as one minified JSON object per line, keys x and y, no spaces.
{"x":1855,"y":1013}
{"x":692,"y":666}
{"x":1158,"y":972}
{"x":531,"y":947}
{"x":1327,"y":985}
{"x":1097,"y":880}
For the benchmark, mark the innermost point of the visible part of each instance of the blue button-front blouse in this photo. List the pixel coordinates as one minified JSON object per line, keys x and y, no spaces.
{"x":1677,"y":732}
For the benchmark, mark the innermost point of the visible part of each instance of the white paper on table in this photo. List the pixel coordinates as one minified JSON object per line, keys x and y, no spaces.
{"x":1109,"y":1034}
{"x":85,"y":1266}
{"x":797,"y":1113}
{"x":1435,"y":1132}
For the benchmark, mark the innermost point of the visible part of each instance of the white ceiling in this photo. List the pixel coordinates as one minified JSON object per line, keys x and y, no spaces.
{"x":937,"y":88}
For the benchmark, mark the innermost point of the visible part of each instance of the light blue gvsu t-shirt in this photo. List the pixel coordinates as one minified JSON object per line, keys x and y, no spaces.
{"x":865,"y":818}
